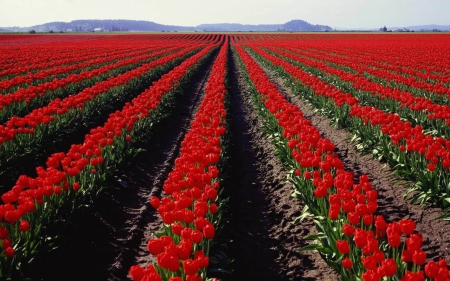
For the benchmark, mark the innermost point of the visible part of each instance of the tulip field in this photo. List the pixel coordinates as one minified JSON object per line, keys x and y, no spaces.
{"x":196,"y":156}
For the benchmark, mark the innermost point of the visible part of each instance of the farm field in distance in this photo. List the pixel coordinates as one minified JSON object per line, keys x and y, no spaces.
{"x":225,"y":156}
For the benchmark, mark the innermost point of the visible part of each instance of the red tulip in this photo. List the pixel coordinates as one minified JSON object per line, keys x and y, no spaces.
{"x":347,"y":263}
{"x":343,"y":247}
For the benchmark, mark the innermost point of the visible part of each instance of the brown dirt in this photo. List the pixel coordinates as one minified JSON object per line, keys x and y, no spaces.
{"x":265,"y":241}
{"x":392,"y":205}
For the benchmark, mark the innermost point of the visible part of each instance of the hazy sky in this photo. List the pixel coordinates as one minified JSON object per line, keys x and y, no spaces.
{"x":335,"y":13}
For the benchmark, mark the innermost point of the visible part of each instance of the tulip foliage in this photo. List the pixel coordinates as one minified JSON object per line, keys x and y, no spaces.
{"x":353,"y":239}
{"x":190,"y":210}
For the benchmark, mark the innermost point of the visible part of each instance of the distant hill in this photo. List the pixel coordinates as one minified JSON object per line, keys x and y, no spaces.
{"x":135,"y":25}
{"x":294,"y":25}
{"x":100,"y":25}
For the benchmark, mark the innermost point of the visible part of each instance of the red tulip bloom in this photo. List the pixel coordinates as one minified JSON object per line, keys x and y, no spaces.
{"x":136,"y":273}
{"x":213,"y":208}
{"x":419,"y":257}
{"x":343,"y":246}
{"x":431,"y":269}
{"x":190,"y":267}
{"x":407,"y":226}
{"x":347,"y":263}
{"x":155,"y":246}
{"x":348,"y":230}
{"x":9,"y":252}
{"x":209,"y":231}
{"x":24,"y":226}
{"x":390,"y":267}
{"x":76,"y":186}
{"x":394,"y":239}
{"x":154,"y":201}
{"x":3,"y":232}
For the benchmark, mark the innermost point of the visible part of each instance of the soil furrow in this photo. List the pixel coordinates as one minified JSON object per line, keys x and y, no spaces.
{"x":391,"y":204}
{"x":265,"y":241}
{"x":111,"y":235}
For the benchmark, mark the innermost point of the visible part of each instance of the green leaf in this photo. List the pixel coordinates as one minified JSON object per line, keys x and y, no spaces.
{"x":311,"y":247}
{"x":313,"y":237}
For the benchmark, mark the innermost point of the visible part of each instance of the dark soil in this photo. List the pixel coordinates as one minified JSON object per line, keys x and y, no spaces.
{"x":391,"y":204}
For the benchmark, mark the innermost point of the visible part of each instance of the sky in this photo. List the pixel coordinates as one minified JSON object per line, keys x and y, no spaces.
{"x":335,"y":13}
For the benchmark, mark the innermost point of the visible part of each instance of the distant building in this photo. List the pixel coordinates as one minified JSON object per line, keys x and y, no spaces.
{"x":98,"y":29}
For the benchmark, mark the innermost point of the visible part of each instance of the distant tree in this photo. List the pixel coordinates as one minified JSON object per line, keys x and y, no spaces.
{"x":51,"y":31}
{"x":32,"y":31}
{"x":384,"y":29}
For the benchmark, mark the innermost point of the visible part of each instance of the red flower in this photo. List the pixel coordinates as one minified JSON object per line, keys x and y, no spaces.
{"x":209,"y":231}
{"x":343,"y":247}
{"x":196,"y":236}
{"x":407,"y":226}
{"x":24,"y":226}
{"x":419,"y":257}
{"x":406,"y":256}
{"x":76,"y":186}
{"x":154,"y":201}
{"x":348,"y":230}
{"x":213,"y":208}
{"x":414,"y":242}
{"x":431,"y":269}
{"x":389,"y":266}
{"x":6,"y":243}
{"x":369,"y":263}
{"x":3,"y":232}
{"x":394,"y":239}
{"x":371,"y":275}
{"x":136,"y":273}
{"x":168,"y":261}
{"x":190,"y":267}
{"x":155,"y":246}
{"x":347,"y":263}
{"x":9,"y":252}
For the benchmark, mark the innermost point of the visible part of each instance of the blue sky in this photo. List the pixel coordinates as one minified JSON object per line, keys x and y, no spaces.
{"x":335,"y":13}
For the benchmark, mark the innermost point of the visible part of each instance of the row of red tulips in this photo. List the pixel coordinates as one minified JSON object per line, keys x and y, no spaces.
{"x":189,"y":209}
{"x":389,"y":66}
{"x":355,"y":241}
{"x":75,"y":176}
{"x":47,"y":74}
{"x":423,"y":158}
{"x":429,"y":104}
{"x":21,"y":59}
{"x":422,"y":55}
{"x":59,"y":114}
{"x":25,"y":99}
{"x":59,"y":128}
